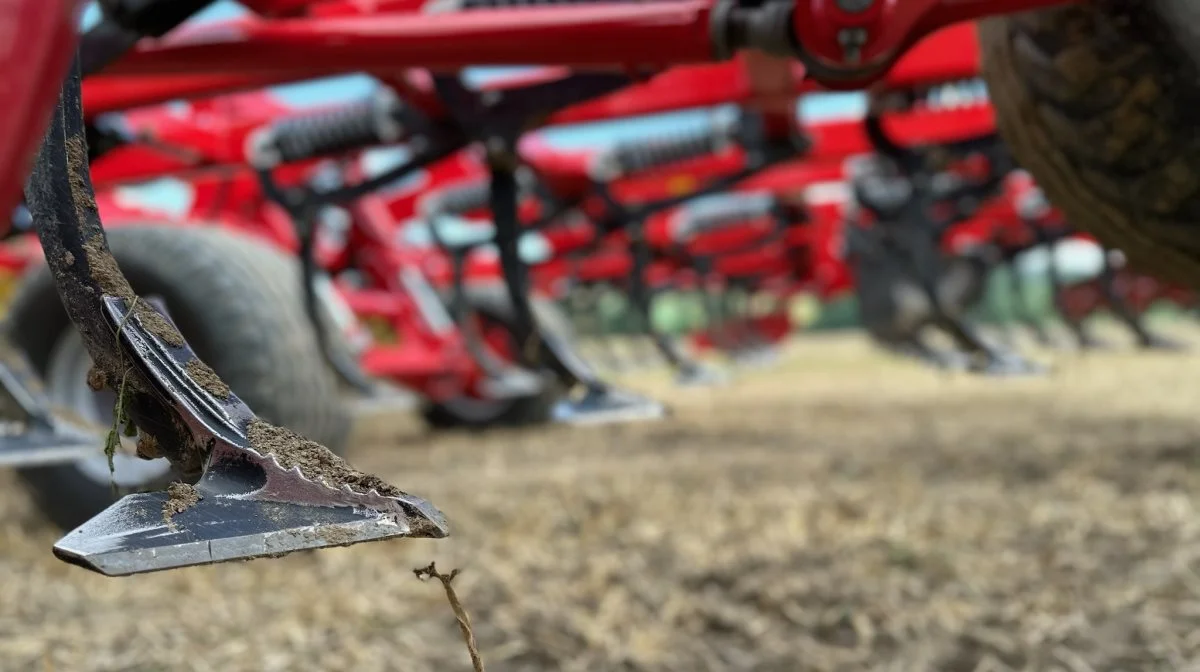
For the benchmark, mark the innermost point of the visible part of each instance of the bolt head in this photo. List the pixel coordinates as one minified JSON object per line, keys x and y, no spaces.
{"x":854,"y":6}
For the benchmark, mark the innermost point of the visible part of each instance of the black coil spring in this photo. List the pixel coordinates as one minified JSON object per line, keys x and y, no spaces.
{"x":464,"y":199}
{"x":630,"y":157}
{"x":732,"y":211}
{"x":342,"y":129}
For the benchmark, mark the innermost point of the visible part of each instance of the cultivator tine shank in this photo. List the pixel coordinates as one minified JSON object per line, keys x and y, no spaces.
{"x":503,"y":380}
{"x":600,"y":403}
{"x":688,"y":371}
{"x":1146,"y":339}
{"x":260,"y":490}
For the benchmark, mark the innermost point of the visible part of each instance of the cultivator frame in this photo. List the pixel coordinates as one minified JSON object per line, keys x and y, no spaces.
{"x":569,"y":181}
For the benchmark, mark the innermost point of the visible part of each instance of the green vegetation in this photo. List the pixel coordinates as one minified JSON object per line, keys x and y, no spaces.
{"x":676,"y":312}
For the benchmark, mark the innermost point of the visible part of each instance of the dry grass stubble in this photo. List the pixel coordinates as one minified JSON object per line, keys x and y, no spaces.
{"x":827,"y":516}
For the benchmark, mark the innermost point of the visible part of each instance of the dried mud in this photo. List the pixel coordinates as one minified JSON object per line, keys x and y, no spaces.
{"x":108,"y":276}
{"x":314,"y":460}
{"x":180,"y":498}
{"x":207,"y":379}
{"x":81,"y":194}
{"x":147,"y":447}
{"x":844,"y":512}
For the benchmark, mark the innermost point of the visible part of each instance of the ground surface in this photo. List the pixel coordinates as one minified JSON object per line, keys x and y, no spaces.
{"x":843,"y":512}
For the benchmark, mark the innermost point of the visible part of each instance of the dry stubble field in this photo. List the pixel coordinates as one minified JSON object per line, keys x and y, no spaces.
{"x":844,"y":512}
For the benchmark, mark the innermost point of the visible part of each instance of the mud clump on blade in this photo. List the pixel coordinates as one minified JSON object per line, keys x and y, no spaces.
{"x":96,"y":379}
{"x":180,"y":498}
{"x":106,"y":273}
{"x":315,"y":461}
{"x":81,"y":192}
{"x":206,"y":378}
{"x":158,"y":325}
{"x":147,"y":447}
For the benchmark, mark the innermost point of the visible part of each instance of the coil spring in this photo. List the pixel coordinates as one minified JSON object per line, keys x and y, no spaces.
{"x":725,"y":212}
{"x":464,"y":199}
{"x":635,"y":156}
{"x":334,"y":131}
{"x":736,"y":209}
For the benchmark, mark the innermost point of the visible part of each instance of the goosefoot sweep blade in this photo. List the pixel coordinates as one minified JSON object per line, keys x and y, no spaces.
{"x":40,"y":446}
{"x":604,"y":405}
{"x":600,"y":403}
{"x":1010,"y":365}
{"x":30,"y":434}
{"x":140,"y":533}
{"x":701,"y":375}
{"x":755,"y":356}
{"x":264,"y":492}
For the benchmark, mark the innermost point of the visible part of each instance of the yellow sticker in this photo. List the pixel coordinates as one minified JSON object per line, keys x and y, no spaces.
{"x":381,"y":330}
{"x":678,"y":185}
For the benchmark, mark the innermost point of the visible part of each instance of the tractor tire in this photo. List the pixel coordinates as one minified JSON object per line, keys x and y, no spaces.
{"x":491,"y":303}
{"x":1098,"y":102}
{"x":236,"y":300}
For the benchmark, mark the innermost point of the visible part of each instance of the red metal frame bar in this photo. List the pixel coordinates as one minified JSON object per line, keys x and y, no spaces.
{"x":948,"y":55}
{"x":642,"y":35}
{"x":39,"y":35}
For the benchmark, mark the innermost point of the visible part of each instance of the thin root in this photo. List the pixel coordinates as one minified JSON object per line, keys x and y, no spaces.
{"x":464,"y":621}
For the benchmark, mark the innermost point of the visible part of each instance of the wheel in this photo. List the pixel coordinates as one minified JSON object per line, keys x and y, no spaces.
{"x":238,"y":303}
{"x":1098,"y":101}
{"x":493,"y":314}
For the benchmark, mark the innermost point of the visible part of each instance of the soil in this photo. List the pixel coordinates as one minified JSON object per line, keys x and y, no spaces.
{"x":96,"y":379}
{"x":315,"y":461}
{"x":108,"y":276}
{"x":206,"y":378}
{"x":180,"y":498}
{"x":147,"y":446}
{"x":77,"y":162}
{"x":842,"y":513}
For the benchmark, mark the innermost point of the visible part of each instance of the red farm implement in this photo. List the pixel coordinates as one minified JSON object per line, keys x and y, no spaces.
{"x":204,"y":142}
{"x":198,"y":141}
{"x":262,"y":491}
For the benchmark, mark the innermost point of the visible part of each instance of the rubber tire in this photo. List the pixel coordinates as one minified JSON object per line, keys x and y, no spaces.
{"x":492,"y":302}
{"x":237,"y":301}
{"x":1098,"y":102}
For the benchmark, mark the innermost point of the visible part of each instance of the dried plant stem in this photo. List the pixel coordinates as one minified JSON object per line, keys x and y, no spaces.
{"x":464,"y":621}
{"x":121,"y":419}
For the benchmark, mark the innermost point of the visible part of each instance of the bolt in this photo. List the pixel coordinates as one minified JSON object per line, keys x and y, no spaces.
{"x":852,"y":40}
{"x":496,"y":145}
{"x":854,"y":6}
